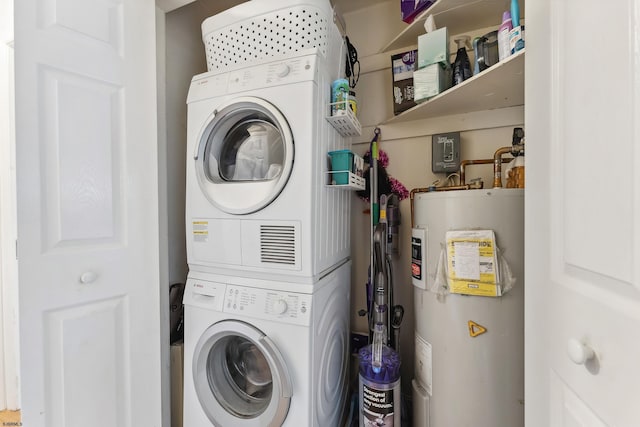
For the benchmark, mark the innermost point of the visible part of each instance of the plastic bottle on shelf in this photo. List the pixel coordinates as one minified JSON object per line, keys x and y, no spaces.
{"x":516,"y":39}
{"x":504,"y":50}
{"x":462,"y":65}
{"x":476,"y":55}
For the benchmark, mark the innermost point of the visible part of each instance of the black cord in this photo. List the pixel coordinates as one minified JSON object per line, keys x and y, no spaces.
{"x":353,"y":65}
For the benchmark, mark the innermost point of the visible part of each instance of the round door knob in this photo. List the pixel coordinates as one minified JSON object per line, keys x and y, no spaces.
{"x":280,"y":306}
{"x":282,"y":70}
{"x":579,"y":353}
{"x":88,"y":277}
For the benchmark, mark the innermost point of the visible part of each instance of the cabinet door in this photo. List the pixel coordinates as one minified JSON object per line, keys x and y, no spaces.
{"x":87,"y":212}
{"x":583,"y":213}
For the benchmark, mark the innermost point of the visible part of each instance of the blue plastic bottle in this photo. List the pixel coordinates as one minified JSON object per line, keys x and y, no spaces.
{"x":515,"y":13}
{"x":516,"y":38}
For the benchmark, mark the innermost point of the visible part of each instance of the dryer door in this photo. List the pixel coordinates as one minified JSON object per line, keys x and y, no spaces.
{"x":244,"y":155}
{"x":240,"y":376}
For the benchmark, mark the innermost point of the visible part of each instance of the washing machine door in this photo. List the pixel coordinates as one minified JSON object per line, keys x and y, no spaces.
{"x":240,"y":376}
{"x":244,"y":155}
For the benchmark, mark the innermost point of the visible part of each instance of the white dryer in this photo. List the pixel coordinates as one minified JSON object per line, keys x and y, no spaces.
{"x":256,"y":199}
{"x":257,"y":354}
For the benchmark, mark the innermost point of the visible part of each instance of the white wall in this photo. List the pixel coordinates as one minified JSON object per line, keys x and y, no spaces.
{"x":409,"y":148}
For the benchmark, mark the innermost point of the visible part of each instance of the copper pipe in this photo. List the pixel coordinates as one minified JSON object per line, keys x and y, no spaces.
{"x":514,"y":150}
{"x":453,"y":187}
{"x":497,"y":165}
{"x":465,"y":163}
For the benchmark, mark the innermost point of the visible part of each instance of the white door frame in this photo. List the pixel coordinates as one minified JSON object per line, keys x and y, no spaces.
{"x":9,"y":351}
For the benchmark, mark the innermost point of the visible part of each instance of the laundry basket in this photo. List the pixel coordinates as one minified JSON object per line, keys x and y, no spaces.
{"x":257,"y":30}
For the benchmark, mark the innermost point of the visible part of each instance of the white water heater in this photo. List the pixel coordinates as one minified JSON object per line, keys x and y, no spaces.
{"x":469,"y":347}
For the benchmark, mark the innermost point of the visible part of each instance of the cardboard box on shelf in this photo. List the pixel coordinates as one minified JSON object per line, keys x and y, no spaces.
{"x":433,"y":47}
{"x":403,"y":65}
{"x":409,"y":9}
{"x":431,"y":81}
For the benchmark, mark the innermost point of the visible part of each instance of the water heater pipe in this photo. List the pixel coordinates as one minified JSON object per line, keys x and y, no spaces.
{"x":514,"y":150}
{"x":465,"y":163}
{"x":497,"y":165}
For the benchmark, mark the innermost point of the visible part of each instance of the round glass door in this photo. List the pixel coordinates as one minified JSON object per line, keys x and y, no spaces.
{"x":244,"y":156}
{"x":240,"y":377}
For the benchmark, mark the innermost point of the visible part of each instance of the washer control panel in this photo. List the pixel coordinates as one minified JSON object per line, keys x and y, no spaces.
{"x":205,"y":294}
{"x":268,"y":304}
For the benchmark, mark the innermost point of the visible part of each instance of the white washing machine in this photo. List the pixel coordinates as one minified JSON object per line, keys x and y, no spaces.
{"x":257,"y":354}
{"x":256,"y":199}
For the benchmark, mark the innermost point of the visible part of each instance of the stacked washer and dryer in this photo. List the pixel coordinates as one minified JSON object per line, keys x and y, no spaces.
{"x":268,"y":242}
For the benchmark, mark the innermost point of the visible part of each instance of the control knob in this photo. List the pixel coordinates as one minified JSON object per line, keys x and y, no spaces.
{"x":282,"y":70}
{"x":280,"y":306}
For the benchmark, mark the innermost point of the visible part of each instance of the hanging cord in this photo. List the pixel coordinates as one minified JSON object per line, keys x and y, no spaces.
{"x":353,"y":64}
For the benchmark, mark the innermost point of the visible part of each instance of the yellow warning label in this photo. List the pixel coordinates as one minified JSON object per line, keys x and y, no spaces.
{"x":472,"y":262}
{"x":475,"y":329}
{"x":200,"y":231}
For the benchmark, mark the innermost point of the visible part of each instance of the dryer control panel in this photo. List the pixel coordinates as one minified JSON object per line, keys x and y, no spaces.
{"x":268,"y":304}
{"x":284,"y":71}
{"x":293,"y":68}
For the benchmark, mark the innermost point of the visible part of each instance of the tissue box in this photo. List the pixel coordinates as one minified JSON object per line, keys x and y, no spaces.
{"x":403,"y":65}
{"x":409,"y":9}
{"x":430,"y":81}
{"x":433,"y":47}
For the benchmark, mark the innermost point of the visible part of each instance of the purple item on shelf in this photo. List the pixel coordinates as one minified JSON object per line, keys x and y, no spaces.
{"x":409,"y":9}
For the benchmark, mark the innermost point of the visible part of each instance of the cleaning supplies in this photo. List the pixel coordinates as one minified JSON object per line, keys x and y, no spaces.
{"x":516,"y":39}
{"x":476,"y":55}
{"x":461,"y":66}
{"x":486,"y":51}
{"x":504,"y":31}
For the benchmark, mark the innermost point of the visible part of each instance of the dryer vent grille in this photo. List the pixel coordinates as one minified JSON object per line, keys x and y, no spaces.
{"x":278,"y":244}
{"x":269,"y":35}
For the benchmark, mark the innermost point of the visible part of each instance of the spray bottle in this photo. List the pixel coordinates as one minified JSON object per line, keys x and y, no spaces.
{"x":461,"y":66}
{"x":379,"y":382}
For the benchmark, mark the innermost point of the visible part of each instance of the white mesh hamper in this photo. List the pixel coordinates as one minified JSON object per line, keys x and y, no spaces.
{"x":260,"y":29}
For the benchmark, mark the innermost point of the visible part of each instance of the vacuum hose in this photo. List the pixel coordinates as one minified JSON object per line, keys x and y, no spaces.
{"x":381,"y":286}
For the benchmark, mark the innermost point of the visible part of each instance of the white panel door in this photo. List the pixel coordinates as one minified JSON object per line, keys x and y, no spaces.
{"x":583,"y":213}
{"x":87,"y":213}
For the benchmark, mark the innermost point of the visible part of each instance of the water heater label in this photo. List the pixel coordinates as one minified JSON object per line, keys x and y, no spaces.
{"x":418,"y":257}
{"x":424,"y":363}
{"x":471,"y":262}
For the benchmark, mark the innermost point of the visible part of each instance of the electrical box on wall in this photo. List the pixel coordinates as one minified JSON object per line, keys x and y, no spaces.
{"x":445,"y":152}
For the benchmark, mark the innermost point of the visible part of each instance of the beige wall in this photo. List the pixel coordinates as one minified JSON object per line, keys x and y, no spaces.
{"x":409,"y":148}
{"x":184,"y":58}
